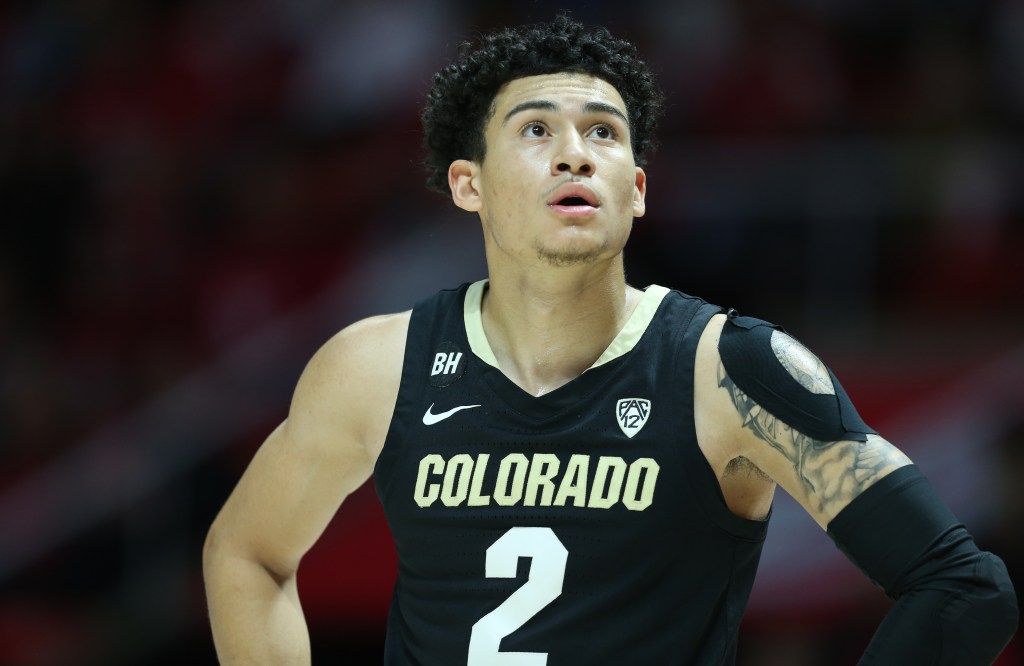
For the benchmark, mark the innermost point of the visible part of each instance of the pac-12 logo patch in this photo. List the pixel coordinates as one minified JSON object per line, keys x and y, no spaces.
{"x":447,"y":365}
{"x":632,"y":414}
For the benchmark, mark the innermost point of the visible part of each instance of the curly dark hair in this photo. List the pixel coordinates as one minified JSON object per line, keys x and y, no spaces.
{"x":461,"y":99}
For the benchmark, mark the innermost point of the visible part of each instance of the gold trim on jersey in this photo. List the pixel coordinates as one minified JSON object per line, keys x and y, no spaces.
{"x":623,"y":342}
{"x":475,"y":323}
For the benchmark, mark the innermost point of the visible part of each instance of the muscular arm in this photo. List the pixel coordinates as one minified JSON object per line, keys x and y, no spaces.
{"x":824,"y":476}
{"x":954,"y":603}
{"x":322,"y":452}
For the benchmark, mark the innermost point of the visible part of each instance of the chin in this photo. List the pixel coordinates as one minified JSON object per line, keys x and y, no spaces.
{"x":566,"y":260}
{"x":575,"y":253}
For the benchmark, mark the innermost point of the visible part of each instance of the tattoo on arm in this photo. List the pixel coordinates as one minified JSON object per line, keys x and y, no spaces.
{"x":801,"y":364}
{"x":831,"y":473}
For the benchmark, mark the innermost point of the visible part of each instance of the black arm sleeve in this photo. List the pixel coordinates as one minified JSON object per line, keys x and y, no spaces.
{"x":955,"y":604}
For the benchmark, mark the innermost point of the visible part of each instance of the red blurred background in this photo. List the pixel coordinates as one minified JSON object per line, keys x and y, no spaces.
{"x":195,"y":195}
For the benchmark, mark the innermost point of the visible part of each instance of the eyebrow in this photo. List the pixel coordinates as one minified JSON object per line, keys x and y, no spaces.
{"x":544,"y":105}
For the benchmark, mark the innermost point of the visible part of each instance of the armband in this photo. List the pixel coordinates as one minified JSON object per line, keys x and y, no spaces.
{"x":955,"y":603}
{"x":745,"y":348}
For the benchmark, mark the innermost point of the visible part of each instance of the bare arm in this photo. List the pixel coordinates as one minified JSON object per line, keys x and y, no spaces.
{"x":322,"y":452}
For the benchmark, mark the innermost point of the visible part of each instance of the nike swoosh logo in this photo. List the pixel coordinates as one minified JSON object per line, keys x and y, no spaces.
{"x":430,"y":418}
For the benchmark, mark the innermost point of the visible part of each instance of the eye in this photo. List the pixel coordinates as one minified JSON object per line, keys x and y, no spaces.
{"x":603,"y":132}
{"x":535,"y":131}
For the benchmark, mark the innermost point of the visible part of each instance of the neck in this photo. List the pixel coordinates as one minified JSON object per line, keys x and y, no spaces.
{"x":547,"y":327}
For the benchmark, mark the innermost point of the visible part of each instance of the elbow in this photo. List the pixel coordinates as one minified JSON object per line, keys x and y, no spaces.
{"x":1003,"y":610}
{"x":218,"y":548}
{"x":989,"y":615}
{"x":211,"y":548}
{"x":225,"y":555}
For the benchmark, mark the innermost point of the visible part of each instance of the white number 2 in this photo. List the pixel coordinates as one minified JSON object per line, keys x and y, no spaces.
{"x":547,"y":571}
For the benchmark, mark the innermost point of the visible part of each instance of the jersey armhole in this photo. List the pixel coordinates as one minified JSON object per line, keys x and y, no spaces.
{"x":410,"y":391}
{"x":704,"y":484}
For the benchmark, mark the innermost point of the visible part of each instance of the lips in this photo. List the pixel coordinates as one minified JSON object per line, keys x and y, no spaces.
{"x":574,"y":199}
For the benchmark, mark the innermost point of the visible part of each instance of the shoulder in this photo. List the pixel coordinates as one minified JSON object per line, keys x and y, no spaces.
{"x":758,"y":362}
{"x":369,"y":338}
{"x":747,"y":345}
{"x":751,"y":347}
{"x":758,"y":366}
{"x":361,"y":351}
{"x":352,"y":381}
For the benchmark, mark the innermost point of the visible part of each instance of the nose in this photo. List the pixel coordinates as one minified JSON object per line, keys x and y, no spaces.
{"x":573,"y":155}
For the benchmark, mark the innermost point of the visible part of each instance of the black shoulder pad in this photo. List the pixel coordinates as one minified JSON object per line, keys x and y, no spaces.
{"x":746,"y":351}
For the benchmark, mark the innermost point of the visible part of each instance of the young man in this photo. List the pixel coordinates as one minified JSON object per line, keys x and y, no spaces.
{"x":576,"y":471}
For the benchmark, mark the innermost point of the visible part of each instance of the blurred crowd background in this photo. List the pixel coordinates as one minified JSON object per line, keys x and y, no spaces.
{"x":195,"y":194}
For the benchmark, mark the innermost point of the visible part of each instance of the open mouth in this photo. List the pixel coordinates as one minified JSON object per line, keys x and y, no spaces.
{"x":574,"y":200}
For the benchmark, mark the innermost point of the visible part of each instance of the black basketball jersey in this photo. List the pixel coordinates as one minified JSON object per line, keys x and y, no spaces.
{"x":583,"y":526}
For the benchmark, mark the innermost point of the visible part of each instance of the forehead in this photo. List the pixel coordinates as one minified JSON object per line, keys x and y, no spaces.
{"x":565,"y":89}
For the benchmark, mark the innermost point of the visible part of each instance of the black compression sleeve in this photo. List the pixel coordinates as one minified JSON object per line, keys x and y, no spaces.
{"x":954,"y":603}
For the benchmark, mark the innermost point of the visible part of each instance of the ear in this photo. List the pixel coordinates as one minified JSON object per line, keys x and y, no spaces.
{"x":462,"y":179}
{"x":640,"y":193}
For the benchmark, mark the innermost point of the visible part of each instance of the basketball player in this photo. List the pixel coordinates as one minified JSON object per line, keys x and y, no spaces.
{"x":576,"y":471}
